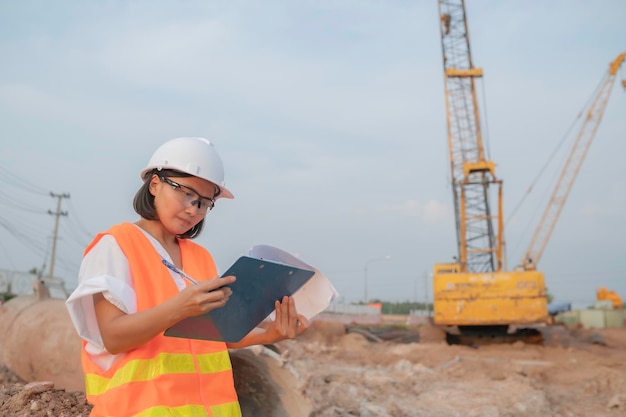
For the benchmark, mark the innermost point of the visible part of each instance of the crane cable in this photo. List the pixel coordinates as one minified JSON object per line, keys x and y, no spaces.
{"x":554,"y":152}
{"x":551,"y":158}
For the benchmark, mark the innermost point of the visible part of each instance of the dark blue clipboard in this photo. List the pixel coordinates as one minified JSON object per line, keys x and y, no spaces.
{"x":259,"y":284}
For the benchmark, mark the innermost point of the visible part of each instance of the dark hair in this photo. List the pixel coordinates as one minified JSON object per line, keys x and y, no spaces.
{"x":143,"y":203}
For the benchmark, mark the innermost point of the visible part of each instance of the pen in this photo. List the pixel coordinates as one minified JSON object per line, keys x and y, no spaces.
{"x":179,"y":272}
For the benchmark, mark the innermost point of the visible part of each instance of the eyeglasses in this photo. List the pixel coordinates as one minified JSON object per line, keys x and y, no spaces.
{"x":189,"y":197}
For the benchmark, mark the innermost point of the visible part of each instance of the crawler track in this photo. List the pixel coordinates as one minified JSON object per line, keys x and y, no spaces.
{"x":493,"y":335}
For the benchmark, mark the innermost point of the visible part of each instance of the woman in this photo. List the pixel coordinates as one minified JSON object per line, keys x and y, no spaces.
{"x":127,"y":298}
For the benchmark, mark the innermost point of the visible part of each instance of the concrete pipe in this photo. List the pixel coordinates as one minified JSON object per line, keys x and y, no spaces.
{"x":267,"y":385}
{"x":38,"y":341}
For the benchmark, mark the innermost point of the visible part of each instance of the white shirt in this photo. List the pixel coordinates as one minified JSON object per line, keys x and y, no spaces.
{"x":105,"y":270}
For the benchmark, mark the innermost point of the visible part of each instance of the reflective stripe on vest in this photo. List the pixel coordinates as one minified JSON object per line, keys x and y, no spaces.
{"x":148,"y":369}
{"x":222,"y":410}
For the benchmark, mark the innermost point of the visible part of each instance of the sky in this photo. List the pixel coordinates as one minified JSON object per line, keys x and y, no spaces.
{"x":330,"y":120}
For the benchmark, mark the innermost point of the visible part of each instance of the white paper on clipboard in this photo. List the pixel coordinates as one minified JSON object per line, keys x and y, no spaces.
{"x":313,"y":297}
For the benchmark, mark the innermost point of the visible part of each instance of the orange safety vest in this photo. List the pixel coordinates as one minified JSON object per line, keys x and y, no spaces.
{"x":167,"y":376}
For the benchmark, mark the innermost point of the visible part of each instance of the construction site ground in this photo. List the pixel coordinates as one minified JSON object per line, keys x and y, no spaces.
{"x":391,"y":369}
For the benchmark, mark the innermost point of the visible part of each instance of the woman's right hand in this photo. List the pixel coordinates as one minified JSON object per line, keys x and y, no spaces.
{"x":205,"y":296}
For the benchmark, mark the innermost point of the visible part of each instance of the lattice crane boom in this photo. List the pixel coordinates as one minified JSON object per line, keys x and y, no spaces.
{"x":479,"y":222}
{"x":570,"y":170}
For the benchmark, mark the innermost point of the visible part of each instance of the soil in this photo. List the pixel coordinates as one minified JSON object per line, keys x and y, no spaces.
{"x":38,"y":399}
{"x":411,"y":372}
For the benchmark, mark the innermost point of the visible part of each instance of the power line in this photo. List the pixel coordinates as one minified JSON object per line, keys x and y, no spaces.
{"x":12,"y":179}
{"x":75,"y":236}
{"x":34,"y":244}
{"x":9,"y":201}
{"x":31,"y":235}
{"x":75,"y":219}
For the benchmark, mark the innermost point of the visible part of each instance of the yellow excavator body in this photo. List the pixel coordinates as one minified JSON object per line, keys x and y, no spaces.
{"x":488,"y":298}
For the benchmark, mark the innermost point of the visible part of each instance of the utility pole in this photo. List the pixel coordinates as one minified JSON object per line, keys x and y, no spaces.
{"x":58,"y":213}
{"x":365,"y":298}
{"x":426,"y":306}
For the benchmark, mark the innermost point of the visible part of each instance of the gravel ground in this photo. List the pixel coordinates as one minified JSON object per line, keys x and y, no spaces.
{"x":345,"y":374}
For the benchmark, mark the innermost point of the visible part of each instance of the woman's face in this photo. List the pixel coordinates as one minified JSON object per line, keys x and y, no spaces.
{"x":181,"y":202}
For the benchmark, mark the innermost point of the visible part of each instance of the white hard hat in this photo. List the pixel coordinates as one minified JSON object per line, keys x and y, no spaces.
{"x":194,"y":156}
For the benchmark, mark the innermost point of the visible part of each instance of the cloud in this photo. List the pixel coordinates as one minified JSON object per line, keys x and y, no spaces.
{"x":31,"y":101}
{"x":431,"y":211}
{"x":226,"y":62}
{"x":91,"y":113}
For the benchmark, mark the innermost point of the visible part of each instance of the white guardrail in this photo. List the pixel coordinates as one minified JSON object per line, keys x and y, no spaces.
{"x":21,"y":283}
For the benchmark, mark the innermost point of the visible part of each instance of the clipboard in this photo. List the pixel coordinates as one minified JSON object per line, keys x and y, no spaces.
{"x":259,"y":284}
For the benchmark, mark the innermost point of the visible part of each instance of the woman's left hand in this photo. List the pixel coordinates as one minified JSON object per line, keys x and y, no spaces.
{"x":287,"y":324}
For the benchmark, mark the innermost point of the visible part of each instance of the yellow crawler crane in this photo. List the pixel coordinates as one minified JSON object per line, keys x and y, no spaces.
{"x":475,"y":294}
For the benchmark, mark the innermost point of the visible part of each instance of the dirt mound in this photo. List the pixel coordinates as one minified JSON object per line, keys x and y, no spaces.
{"x":357,"y":376}
{"x":41,"y":399}
{"x":324,"y":332}
{"x":38,"y":399}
